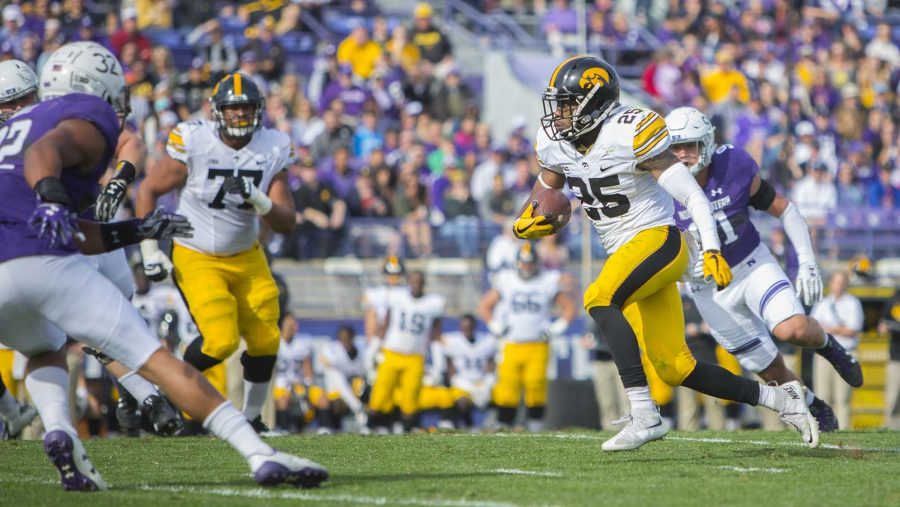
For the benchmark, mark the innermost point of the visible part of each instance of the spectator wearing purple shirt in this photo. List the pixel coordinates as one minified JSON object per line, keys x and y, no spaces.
{"x":338,"y":172}
{"x":560,"y":17}
{"x":751,"y":125}
{"x":352,"y":95}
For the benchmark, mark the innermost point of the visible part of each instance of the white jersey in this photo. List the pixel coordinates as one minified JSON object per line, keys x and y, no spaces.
{"x":411,"y":320}
{"x":156,"y":301}
{"x":289,"y":365}
{"x":335,"y":356}
{"x":470,"y":359}
{"x":620,"y":199}
{"x":527,"y":303}
{"x":377,"y":298}
{"x":223,"y":223}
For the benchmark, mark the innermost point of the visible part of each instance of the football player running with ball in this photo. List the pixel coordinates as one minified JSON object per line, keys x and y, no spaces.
{"x":231,"y":170}
{"x":616,"y":159}
{"x":760,"y":298}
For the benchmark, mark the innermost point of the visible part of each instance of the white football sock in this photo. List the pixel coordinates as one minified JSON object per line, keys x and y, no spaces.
{"x":138,"y":386}
{"x":771,"y":397}
{"x":535,"y":425}
{"x":231,"y":426}
{"x":9,"y":407}
{"x":639,"y":397}
{"x":254,"y":397}
{"x":49,"y":389}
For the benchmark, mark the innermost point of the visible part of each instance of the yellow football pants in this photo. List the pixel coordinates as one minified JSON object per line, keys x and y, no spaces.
{"x":436,"y":397}
{"x":401,"y":372}
{"x":6,"y":367}
{"x":523,"y":366}
{"x":230,"y":297}
{"x":640,"y":278}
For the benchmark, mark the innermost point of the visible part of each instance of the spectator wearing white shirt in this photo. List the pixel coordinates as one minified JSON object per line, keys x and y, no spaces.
{"x":815,"y":195}
{"x":841,"y":315}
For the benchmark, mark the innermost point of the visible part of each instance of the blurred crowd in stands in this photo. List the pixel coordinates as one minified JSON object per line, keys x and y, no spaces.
{"x":387,"y":127}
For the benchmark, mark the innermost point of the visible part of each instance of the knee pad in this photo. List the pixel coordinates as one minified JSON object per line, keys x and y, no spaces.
{"x":674,"y":372}
{"x":194,"y":356}
{"x":258,"y":368}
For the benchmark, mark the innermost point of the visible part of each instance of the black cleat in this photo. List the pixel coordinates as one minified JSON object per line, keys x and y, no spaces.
{"x":128,"y":414}
{"x":164,"y":419}
{"x":824,"y":414}
{"x":258,"y":426}
{"x":844,"y":363}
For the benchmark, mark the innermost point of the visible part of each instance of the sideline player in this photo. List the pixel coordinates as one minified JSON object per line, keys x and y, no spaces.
{"x":56,"y":152}
{"x":470,"y":362}
{"x":527,"y":295}
{"x":616,"y":159}
{"x":412,"y":322}
{"x":231,"y":170}
{"x":760,"y":299}
{"x":344,"y":374}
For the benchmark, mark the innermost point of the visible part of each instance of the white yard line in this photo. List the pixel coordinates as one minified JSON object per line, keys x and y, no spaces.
{"x":310,"y":496}
{"x":754,"y":469}
{"x":707,"y":440}
{"x":514,"y":471}
{"x":786,"y":444}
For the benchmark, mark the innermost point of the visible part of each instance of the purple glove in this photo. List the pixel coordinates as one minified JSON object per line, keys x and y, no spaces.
{"x":55,"y":222}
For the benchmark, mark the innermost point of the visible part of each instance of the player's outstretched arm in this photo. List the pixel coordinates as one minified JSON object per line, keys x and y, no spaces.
{"x":765,"y":198}
{"x":131,"y":155}
{"x":529,"y":226}
{"x":677,"y":180}
{"x":159,"y":225}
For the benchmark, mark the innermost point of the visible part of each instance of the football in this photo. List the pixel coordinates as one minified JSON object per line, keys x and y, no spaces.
{"x":554,"y":202}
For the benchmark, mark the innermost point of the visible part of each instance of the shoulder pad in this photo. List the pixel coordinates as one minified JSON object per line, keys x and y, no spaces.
{"x":651,"y":137}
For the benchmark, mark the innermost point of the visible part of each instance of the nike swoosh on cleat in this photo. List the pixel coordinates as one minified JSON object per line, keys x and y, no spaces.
{"x":655,"y":425}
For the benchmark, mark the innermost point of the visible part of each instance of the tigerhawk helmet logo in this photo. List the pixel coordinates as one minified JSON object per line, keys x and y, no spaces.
{"x":594,"y":76}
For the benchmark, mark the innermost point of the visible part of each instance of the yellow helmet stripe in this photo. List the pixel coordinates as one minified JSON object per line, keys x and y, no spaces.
{"x":238,"y":86}
{"x":555,"y":72}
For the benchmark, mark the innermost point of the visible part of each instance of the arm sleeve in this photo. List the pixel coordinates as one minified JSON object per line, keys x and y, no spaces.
{"x":680,"y":184}
{"x":798,"y":232}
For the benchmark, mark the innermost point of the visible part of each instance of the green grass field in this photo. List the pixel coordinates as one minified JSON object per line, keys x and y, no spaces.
{"x":462,"y":470}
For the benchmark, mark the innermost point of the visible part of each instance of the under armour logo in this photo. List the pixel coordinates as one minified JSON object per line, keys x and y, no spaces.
{"x":716,"y":192}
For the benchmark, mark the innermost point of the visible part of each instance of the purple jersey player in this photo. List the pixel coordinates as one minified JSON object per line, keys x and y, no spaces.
{"x":760,"y":300}
{"x":51,"y":157}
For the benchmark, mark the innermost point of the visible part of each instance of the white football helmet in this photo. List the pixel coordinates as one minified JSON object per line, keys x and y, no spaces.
{"x":85,"y":67}
{"x":17,"y":80}
{"x":688,"y":125}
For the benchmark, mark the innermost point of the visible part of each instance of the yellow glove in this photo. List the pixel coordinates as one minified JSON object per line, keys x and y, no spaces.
{"x":715,"y":268}
{"x":528,"y":226}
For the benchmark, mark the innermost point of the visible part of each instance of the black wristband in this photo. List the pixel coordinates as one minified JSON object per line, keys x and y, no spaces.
{"x":120,"y":234}
{"x":764,"y":196}
{"x":51,"y":189}
{"x":125,"y":170}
